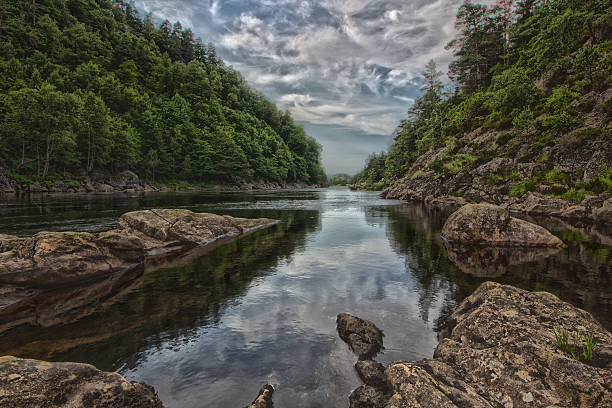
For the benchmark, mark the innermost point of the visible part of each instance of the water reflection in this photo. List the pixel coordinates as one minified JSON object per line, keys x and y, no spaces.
{"x":580,"y":273}
{"x":262,"y":309}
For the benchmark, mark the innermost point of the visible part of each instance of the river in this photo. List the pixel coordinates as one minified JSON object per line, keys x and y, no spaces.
{"x":261,"y":309}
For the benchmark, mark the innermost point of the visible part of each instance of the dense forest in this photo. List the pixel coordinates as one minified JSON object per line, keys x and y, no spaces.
{"x":530,"y":87}
{"x":88,"y":86}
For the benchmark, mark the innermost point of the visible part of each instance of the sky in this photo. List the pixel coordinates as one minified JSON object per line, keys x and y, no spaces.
{"x":346,"y":70}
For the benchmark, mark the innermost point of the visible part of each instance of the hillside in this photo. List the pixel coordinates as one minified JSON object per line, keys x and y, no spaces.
{"x":527,"y":120}
{"x":88,"y":88}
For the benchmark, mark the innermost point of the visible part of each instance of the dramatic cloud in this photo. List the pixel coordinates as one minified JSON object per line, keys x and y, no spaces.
{"x":347,"y":69}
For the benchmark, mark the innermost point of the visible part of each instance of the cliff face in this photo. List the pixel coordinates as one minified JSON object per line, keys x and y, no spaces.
{"x":568,"y":177}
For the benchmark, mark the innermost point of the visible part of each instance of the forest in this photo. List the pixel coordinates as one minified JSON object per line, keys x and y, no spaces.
{"x":89,"y":87}
{"x":533,"y":74}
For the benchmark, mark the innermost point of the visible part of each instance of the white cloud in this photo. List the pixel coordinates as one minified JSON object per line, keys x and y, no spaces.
{"x":350,"y":63}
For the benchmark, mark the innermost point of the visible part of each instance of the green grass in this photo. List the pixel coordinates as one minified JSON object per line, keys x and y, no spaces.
{"x":520,"y":189}
{"x":573,"y":343}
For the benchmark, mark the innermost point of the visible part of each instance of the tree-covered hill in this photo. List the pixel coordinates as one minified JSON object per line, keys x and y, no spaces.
{"x":529,"y":109}
{"x":87,"y":86}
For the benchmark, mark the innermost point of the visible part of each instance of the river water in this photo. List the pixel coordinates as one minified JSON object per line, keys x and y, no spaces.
{"x":210,"y":331}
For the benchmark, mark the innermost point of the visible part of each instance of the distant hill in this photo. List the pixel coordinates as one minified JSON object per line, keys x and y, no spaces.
{"x":88,"y":86}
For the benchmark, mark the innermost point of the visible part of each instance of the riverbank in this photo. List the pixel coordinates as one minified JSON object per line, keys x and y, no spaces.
{"x":129,"y":182}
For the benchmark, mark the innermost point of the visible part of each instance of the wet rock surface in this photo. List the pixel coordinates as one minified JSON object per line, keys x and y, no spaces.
{"x":46,"y":277}
{"x":362,"y":336}
{"x":33,"y":383}
{"x":491,"y":225}
{"x":371,"y":373}
{"x":500,"y":351}
{"x":264,"y":399}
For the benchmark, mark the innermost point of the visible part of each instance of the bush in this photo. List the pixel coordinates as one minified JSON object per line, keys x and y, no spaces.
{"x":460,"y":162}
{"x":555,"y":176}
{"x":520,"y":189}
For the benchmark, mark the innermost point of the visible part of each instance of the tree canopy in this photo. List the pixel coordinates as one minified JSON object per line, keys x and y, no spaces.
{"x":90,"y":86}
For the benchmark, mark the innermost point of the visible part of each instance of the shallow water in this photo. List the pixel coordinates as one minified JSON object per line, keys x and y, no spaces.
{"x":212,"y":331}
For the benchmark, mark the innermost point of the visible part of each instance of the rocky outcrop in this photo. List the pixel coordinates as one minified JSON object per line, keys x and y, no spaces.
{"x":491,"y":225}
{"x":500,"y":351}
{"x":47,"y":266}
{"x":32,"y":383}
{"x":603,"y":214}
{"x":264,"y":399}
{"x":362,"y":336}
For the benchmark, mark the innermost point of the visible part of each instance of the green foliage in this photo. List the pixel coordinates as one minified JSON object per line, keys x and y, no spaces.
{"x":90,"y":87}
{"x":459,"y":163}
{"x":339,"y":179}
{"x":555,"y":176}
{"x":524,"y":69}
{"x":572,"y":344}
{"x":522,"y":188}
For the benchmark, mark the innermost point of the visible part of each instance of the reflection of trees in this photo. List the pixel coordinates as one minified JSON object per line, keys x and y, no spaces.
{"x":580,"y":274}
{"x":171,"y":303}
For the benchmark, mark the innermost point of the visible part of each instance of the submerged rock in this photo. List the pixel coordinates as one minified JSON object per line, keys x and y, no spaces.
{"x":501,"y":352}
{"x":264,"y":399}
{"x":491,"y":225}
{"x":368,"y":396}
{"x":33,"y":383}
{"x":362,"y":336}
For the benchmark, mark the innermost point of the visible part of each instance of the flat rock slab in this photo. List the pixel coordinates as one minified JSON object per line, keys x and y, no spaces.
{"x":362,"y":336}
{"x":501,"y":352}
{"x":58,"y":258}
{"x":492,"y":225}
{"x":32,"y":383}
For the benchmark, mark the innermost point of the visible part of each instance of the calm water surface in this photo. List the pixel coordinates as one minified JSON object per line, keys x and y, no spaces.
{"x":214,"y":329}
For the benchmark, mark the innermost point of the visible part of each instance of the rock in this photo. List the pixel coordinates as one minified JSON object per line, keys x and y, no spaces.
{"x":162,"y":228}
{"x":603,"y":214}
{"x":362,"y":336}
{"x":32,"y":383}
{"x":497,"y":165}
{"x":501,"y":352}
{"x":38,"y":274}
{"x":491,"y":225}
{"x":371,"y":373}
{"x":56,"y":258}
{"x":575,"y":212}
{"x":103,"y":188}
{"x":538,"y":204}
{"x":367,"y":397}
{"x":264,"y":399}
{"x":125,"y":180}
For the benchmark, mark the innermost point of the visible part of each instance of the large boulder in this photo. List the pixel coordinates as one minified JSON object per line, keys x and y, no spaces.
{"x":362,"y":336}
{"x":501,"y":351}
{"x":603,"y":214}
{"x":491,"y":225}
{"x":32,"y":383}
{"x":56,"y":258}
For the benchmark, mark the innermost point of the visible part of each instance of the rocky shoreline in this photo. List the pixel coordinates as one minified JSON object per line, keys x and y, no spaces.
{"x":54,"y":275}
{"x":498,"y":349}
{"x":129,"y":182}
{"x":429,"y":189}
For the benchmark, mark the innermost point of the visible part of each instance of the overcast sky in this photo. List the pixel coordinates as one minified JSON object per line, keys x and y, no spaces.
{"x":347,"y":70}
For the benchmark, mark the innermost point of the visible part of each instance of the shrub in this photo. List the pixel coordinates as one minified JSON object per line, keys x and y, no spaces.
{"x":520,"y":189}
{"x":555,"y":176}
